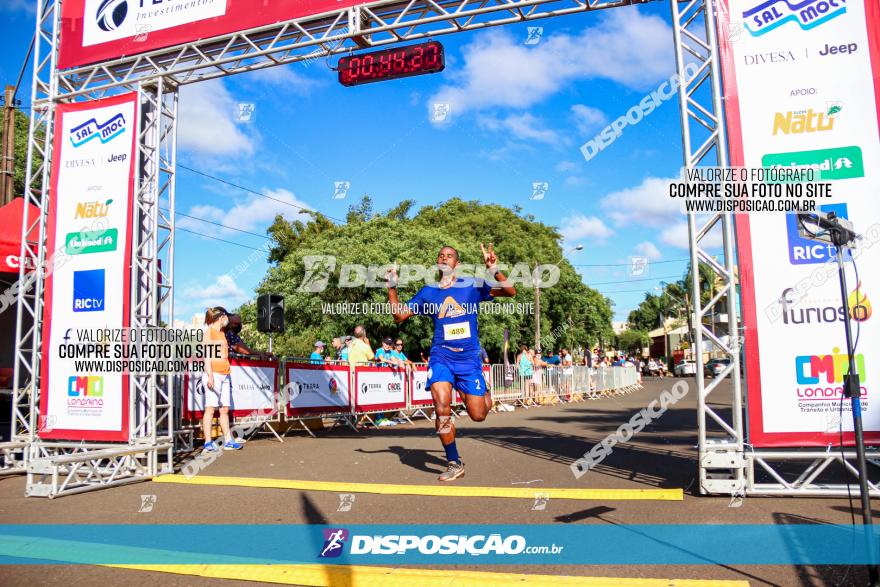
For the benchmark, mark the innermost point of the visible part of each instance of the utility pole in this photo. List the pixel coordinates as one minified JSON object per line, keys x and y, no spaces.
{"x":7,"y":165}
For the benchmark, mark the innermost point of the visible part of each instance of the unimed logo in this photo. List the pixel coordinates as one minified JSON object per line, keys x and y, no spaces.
{"x":91,"y":241}
{"x":827,"y":164}
{"x":814,"y":369}
{"x":809,"y":14}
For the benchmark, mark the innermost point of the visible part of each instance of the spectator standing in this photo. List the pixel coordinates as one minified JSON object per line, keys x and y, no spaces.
{"x":525,"y":365}
{"x":386,"y":355}
{"x":337,"y":345}
{"x":317,"y":356}
{"x":360,"y":351}
{"x":346,"y":346}
{"x":218,"y":381}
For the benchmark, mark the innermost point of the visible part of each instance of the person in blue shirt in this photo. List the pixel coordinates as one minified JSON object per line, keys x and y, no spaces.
{"x":455,"y":349}
{"x":317,"y":356}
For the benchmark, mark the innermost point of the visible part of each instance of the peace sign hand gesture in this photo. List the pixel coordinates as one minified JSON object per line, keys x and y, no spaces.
{"x":489,"y":255}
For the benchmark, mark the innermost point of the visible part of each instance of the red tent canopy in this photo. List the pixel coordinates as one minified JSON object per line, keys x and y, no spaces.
{"x":11,"y":216}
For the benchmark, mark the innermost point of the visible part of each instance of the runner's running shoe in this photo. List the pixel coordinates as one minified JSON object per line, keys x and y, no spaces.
{"x":232,"y":445}
{"x":210,"y":446}
{"x":454,"y":470}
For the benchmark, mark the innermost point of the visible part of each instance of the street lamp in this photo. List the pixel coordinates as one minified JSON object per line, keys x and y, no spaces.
{"x":538,"y":300}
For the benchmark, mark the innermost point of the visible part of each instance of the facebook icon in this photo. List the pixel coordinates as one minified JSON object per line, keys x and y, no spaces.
{"x":88,"y":290}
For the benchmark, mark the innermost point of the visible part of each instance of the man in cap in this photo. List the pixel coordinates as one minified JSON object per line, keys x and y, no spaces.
{"x":317,"y":356}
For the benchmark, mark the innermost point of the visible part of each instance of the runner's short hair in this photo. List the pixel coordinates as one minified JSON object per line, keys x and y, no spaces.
{"x":449,"y":247}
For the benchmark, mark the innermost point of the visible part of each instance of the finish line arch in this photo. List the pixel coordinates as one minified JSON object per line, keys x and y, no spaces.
{"x":69,"y":75}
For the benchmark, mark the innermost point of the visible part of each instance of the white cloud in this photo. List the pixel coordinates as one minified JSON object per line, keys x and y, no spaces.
{"x":578,"y":226}
{"x":254,"y":214}
{"x":677,"y":236}
{"x":207,"y":121}
{"x":524,"y":126}
{"x":564,"y":166}
{"x":222,"y":292}
{"x":588,"y":119}
{"x":648,"y":204}
{"x":649,"y":250}
{"x":626,"y":46}
{"x":574,"y":180}
{"x":29,"y":6}
{"x":288,"y":76}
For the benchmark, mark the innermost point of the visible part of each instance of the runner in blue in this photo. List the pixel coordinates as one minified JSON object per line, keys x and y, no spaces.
{"x":455,"y":362}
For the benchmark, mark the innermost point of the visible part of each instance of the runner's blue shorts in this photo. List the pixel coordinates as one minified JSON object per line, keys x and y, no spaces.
{"x":464,"y":373}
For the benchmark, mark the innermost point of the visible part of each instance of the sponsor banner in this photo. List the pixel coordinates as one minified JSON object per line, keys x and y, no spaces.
{"x":254,"y":389}
{"x":99,"y":30}
{"x":801,"y":81}
{"x":442,"y":544}
{"x":420,"y":392}
{"x":89,"y":235}
{"x":317,"y":389}
{"x":379,"y":388}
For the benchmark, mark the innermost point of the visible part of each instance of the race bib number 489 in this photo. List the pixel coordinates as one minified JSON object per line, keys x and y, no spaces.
{"x":456,"y":331}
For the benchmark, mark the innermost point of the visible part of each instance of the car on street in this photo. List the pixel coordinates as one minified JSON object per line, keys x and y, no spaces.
{"x":685,"y":368}
{"x":714,"y":367}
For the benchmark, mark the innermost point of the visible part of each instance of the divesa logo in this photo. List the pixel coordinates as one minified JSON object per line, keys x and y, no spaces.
{"x":809,"y":14}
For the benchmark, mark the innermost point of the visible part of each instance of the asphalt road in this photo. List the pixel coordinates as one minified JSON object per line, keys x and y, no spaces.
{"x":531,"y":447}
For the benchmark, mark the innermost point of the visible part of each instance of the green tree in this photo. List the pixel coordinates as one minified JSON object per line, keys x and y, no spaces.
{"x":22,"y":123}
{"x":633,"y":341}
{"x":575,"y":313}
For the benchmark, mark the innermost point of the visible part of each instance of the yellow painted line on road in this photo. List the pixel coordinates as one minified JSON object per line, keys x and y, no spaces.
{"x":431,"y":490}
{"x":369,"y":576}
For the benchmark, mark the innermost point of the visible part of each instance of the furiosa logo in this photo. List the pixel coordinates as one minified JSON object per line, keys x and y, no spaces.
{"x":808,"y":14}
{"x":106,"y":131}
{"x":111,"y":14}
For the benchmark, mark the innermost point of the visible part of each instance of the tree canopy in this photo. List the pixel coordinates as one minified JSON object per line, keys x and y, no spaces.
{"x":399,"y":236}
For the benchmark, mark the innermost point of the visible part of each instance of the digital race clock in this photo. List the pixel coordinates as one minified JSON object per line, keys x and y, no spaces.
{"x":391,"y":64}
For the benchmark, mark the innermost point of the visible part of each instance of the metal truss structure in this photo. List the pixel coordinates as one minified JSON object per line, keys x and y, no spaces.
{"x":373,"y":24}
{"x":58,"y":468}
{"x":727,"y":463}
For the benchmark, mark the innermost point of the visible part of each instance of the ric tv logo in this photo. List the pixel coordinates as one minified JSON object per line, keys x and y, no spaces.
{"x":88,"y":290}
{"x":772,"y":14}
{"x":802,"y":251}
{"x":106,"y":131}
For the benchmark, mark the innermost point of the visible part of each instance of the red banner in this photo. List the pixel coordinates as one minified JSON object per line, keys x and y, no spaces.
{"x":99,"y":30}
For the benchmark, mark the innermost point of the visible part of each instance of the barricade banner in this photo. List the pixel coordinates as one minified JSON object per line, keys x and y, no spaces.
{"x":379,"y":388}
{"x":314,"y":389}
{"x":88,"y":244}
{"x":420,"y":394}
{"x":254,"y":389}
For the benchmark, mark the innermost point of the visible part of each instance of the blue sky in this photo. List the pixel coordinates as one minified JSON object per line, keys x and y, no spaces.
{"x":519,"y":114}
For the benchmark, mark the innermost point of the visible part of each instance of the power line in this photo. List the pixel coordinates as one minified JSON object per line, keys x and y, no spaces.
{"x":251,"y":191}
{"x":219,"y":224}
{"x":24,"y":65}
{"x":626,"y":264}
{"x":632,"y":280}
{"x":217,"y":239}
